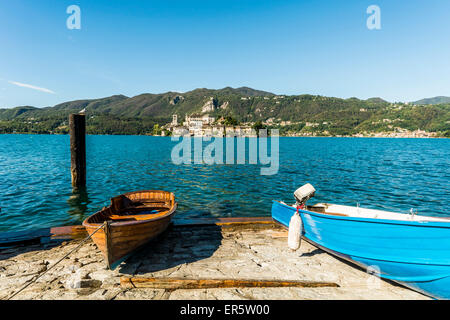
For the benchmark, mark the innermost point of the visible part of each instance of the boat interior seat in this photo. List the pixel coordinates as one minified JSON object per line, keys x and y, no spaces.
{"x":144,"y":215}
{"x":121,"y":218}
{"x":322,"y":209}
{"x":141,"y":210}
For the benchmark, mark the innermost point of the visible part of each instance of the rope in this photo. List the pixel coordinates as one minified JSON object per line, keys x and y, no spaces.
{"x":76,"y":248}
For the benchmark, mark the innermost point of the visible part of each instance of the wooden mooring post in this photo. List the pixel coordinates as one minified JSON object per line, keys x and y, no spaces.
{"x":77,"y":128}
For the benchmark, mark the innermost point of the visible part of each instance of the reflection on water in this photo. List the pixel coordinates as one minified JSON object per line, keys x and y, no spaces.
{"x":78,"y":203}
{"x":390,"y":174}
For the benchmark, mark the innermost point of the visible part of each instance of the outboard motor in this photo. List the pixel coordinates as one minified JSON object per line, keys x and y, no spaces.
{"x":301,"y":195}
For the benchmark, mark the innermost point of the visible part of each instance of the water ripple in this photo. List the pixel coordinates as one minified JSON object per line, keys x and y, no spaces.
{"x":389,"y":174}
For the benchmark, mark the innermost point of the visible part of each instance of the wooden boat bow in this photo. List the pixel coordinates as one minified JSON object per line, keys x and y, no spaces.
{"x":132,"y":220}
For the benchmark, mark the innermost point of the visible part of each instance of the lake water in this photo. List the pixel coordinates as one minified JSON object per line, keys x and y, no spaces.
{"x":390,"y":174}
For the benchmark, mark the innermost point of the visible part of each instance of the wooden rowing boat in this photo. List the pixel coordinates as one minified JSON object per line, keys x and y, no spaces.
{"x":130,"y":222}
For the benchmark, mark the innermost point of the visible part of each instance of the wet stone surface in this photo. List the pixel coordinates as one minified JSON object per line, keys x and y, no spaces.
{"x":207,"y":252}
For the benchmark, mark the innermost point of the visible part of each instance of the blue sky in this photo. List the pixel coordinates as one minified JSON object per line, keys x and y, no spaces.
{"x":286,"y":47}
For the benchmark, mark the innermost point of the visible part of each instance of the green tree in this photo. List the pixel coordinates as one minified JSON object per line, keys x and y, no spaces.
{"x":156,"y":130}
{"x":258,"y":125}
{"x":230,"y":121}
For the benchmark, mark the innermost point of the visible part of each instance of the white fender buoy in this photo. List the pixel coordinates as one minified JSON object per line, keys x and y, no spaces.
{"x":295,"y":230}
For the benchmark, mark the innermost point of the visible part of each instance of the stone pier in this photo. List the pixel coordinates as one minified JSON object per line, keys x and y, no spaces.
{"x":234,"y":251}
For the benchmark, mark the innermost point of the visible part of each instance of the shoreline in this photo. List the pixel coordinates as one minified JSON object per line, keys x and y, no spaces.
{"x":281,"y":136}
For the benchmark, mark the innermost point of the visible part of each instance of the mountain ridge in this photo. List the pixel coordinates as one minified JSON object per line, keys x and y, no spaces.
{"x":291,"y":113}
{"x":433,"y":100}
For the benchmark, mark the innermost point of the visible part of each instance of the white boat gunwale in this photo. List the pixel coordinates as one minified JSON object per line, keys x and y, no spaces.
{"x":442,"y":222}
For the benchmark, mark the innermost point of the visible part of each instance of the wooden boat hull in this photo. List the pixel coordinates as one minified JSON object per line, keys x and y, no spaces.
{"x":120,"y":236}
{"x":414,"y":253}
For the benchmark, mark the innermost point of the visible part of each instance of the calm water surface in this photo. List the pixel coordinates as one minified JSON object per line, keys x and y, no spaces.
{"x":391,"y":174}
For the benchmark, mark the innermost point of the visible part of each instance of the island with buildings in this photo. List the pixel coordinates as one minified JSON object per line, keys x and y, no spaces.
{"x":205,"y":125}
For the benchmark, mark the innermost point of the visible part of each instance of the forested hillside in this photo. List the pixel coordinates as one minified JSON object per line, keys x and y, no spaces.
{"x":291,"y":114}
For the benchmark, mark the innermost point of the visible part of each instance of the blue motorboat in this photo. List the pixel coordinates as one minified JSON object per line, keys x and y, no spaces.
{"x":411,"y":249}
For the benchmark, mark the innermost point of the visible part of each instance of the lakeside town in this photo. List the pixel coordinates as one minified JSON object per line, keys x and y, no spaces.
{"x":206,"y":125}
